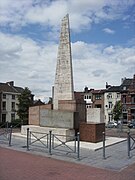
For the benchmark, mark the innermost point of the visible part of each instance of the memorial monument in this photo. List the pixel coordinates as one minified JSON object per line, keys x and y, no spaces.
{"x":65,"y":114}
{"x":63,"y":86}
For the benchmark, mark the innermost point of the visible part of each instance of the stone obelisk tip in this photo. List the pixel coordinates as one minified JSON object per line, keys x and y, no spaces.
{"x":63,"y":86}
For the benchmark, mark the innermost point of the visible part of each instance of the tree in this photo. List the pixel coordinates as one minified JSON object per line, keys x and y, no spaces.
{"x":25,"y":101}
{"x":50,"y":100}
{"x":117,"y":110}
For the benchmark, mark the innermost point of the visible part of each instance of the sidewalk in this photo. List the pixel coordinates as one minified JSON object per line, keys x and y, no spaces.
{"x":15,"y":165}
{"x":91,"y":165}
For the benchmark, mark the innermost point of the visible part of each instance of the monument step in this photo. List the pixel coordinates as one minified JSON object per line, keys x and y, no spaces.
{"x":61,"y":133}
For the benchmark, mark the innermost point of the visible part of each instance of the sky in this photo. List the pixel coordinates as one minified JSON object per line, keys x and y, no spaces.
{"x":102,"y":42}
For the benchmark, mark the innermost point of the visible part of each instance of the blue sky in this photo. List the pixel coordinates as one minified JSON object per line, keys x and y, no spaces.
{"x":102,"y":39}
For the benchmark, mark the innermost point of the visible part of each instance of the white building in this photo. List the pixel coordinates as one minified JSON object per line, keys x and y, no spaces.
{"x":111,"y":96}
{"x":8,"y":101}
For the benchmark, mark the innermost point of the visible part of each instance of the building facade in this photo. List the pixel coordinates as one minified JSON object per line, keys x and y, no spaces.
{"x":8,"y":101}
{"x":128,"y":99}
{"x":111,"y":96}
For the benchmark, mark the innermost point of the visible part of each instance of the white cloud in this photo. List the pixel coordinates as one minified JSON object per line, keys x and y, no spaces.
{"x":108,"y":30}
{"x":32,"y":64}
{"x":94,"y":65}
{"x":109,"y":50}
{"x":82,"y":13}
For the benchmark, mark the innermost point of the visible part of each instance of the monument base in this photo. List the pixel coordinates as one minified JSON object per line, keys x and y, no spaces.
{"x":61,"y":133}
{"x":92,"y":132}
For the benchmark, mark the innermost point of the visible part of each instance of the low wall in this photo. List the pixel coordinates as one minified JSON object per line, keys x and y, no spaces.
{"x":34,"y":115}
{"x":92,"y":132}
{"x":94,"y":115}
{"x":57,"y":119}
{"x":61,"y":133}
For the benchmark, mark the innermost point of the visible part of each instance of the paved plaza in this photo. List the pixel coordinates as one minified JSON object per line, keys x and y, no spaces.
{"x":18,"y":163}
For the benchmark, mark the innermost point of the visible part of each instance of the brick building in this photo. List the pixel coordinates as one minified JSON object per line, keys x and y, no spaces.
{"x":128,"y":99}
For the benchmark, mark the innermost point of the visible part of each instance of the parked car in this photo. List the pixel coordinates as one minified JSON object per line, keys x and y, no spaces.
{"x":112,"y":125}
{"x":131,"y":124}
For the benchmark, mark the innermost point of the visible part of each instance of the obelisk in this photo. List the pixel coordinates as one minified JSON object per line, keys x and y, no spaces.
{"x":63,"y":86}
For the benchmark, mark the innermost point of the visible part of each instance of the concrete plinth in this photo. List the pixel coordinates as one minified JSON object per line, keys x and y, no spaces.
{"x":92,"y":132}
{"x":62,"y":133}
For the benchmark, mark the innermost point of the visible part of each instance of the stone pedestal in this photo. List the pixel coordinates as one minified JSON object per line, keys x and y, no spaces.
{"x":62,"y":134}
{"x":92,"y":132}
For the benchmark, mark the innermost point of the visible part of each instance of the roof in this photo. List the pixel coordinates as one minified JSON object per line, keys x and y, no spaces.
{"x":7,"y":87}
{"x":113,"y":89}
{"x":100,"y":91}
{"x":38,"y":102}
{"x":125,"y":84}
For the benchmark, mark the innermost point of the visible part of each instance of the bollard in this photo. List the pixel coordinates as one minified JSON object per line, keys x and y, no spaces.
{"x":78,"y":146}
{"x":128,"y":143}
{"x":104,"y":145}
{"x":30,"y":134}
{"x":27,"y":139}
{"x":75,"y":144}
{"x":7,"y":124}
{"x":50,"y":142}
{"x":47,"y":140}
{"x":10,"y":136}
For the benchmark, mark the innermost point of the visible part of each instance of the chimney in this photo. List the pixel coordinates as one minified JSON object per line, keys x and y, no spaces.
{"x":107,"y":85}
{"x":86,"y":89}
{"x":123,"y":79}
{"x":10,"y":83}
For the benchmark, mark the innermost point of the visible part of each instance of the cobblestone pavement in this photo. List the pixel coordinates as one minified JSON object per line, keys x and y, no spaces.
{"x":16,"y":163}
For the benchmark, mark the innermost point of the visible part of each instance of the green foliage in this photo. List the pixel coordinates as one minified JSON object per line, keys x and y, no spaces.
{"x":117,"y":110}
{"x":25,"y":101}
{"x":50,"y":100}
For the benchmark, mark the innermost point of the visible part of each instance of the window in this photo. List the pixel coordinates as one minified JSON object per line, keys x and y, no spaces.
{"x":13,"y":96}
{"x":3,"y":105}
{"x":110,"y":117}
{"x":110,"y":105}
{"x":3,"y":118}
{"x":12,"y":117}
{"x":88,"y":106}
{"x":109,"y":96}
{"x":124,"y":109}
{"x":13,"y":106}
{"x":98,"y":96}
{"x":124,"y":99}
{"x":98,"y":106}
{"x":87,"y":97}
{"x":4,"y":96}
{"x":133,"y":99}
{"x":118,"y":95}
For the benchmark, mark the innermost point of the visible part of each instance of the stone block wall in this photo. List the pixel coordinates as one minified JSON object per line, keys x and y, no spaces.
{"x":57,"y":118}
{"x":77,"y":106}
{"x":94,"y":115}
{"x":92,"y":132}
{"x":34,"y":113}
{"x":69,"y":105}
